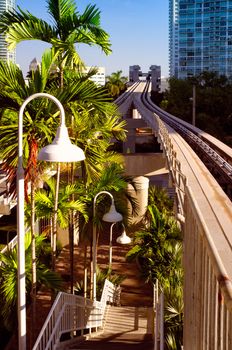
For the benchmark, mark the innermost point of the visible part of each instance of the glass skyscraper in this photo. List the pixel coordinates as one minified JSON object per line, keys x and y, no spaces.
{"x":5,"y":54}
{"x":200,"y":37}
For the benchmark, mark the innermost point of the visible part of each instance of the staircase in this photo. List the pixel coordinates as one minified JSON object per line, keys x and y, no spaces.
{"x":128,"y":326}
{"x":125,"y":328}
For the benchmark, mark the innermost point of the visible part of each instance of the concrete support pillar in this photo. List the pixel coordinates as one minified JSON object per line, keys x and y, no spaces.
{"x":140,"y":193}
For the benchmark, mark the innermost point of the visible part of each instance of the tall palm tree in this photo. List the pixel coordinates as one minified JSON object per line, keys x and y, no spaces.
{"x":14,"y":91}
{"x":68,"y":27}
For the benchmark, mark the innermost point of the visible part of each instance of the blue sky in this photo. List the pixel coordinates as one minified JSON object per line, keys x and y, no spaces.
{"x":138,"y":32}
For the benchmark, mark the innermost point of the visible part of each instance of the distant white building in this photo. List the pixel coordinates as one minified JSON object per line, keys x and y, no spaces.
{"x":5,"y":54}
{"x":100,"y":77}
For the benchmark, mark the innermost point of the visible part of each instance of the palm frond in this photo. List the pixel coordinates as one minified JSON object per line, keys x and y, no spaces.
{"x":60,"y":10}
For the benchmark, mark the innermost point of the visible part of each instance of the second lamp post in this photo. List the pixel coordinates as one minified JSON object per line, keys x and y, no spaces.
{"x":111,"y":216}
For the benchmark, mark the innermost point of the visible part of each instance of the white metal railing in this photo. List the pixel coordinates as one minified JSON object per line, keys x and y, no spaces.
{"x":158,"y":305}
{"x":71,"y":313}
{"x":178,"y":178}
{"x":10,"y":245}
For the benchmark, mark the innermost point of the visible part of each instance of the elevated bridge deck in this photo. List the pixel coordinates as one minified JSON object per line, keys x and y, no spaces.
{"x":204,"y":208}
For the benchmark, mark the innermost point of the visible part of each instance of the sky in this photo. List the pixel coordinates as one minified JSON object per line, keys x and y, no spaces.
{"x":138,"y":31}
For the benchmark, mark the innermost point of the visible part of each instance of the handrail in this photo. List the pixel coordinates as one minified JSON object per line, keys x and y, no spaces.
{"x":10,"y":245}
{"x":71,"y":313}
{"x":224,"y":281}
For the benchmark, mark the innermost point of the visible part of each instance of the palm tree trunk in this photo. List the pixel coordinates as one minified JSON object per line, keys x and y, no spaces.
{"x":54,"y":230}
{"x":85,"y":272}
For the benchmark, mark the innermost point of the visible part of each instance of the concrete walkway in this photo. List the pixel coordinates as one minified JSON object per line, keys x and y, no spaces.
{"x":125,"y":328}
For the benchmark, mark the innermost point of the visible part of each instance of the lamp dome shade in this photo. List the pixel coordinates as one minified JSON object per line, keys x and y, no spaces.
{"x":112,"y":215}
{"x":123,"y":238}
{"x":61,"y":149}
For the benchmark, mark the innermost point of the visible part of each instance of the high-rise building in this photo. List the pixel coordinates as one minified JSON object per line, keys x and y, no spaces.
{"x":200,"y":37}
{"x":5,"y":54}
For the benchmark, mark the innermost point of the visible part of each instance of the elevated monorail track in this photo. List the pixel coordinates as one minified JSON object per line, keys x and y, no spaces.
{"x":201,"y":174}
{"x":216,"y":156}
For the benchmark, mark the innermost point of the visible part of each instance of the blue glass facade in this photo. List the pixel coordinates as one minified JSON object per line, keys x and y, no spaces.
{"x":200,"y":37}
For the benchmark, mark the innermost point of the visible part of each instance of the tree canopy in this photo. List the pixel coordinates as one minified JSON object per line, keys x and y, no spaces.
{"x":213,"y":103}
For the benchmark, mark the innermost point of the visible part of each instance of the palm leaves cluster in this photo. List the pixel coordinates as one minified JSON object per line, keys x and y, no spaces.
{"x":158,"y":249}
{"x":116,"y":83}
{"x":8,"y":277}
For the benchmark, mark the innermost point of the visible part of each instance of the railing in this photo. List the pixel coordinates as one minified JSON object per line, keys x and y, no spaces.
{"x":208,"y":285}
{"x":206,"y":215}
{"x":158,"y":306}
{"x":10,"y":245}
{"x":178,"y":179}
{"x":71,"y":313}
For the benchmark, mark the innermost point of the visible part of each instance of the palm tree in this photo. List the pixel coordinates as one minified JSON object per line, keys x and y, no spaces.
{"x":93,"y":131}
{"x":44,"y":207}
{"x":111,"y":179}
{"x":159,"y":196}
{"x":13,"y":92}
{"x":68,"y":27}
{"x":158,"y":248}
{"x":116,"y":83}
{"x":79,"y":96}
{"x":153,"y":246}
{"x":8,"y":278}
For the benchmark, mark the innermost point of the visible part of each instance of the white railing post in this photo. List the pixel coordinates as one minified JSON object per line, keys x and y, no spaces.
{"x":162,"y":321}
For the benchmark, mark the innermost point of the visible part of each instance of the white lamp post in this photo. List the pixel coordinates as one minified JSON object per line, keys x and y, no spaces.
{"x":111,"y":216}
{"x":61,"y":150}
{"x":122,"y":239}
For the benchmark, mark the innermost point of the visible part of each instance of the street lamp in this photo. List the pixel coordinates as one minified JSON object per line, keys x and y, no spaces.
{"x":111,"y":216}
{"x":122,"y":239}
{"x":61,"y":150}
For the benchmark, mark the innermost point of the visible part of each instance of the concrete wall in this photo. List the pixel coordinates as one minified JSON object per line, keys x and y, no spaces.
{"x":144,"y":164}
